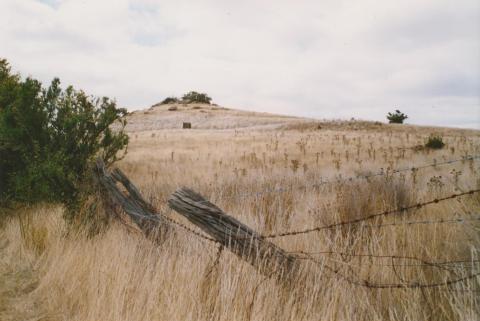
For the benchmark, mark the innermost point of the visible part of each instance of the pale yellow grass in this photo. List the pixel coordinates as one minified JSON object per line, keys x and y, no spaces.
{"x":48,"y":273}
{"x":202,"y":116}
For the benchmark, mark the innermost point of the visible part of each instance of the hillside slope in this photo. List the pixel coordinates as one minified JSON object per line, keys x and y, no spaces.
{"x":202,"y":116}
{"x":214,"y":117}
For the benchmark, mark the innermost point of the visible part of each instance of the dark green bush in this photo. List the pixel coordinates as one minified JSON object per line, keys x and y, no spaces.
{"x":194,"y":97}
{"x":50,"y":137}
{"x":396,"y":118}
{"x":170,"y":100}
{"x":435,"y":142}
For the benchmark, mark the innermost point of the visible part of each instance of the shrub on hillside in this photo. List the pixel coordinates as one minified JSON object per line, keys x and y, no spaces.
{"x":396,"y":118}
{"x":170,"y":100}
{"x":435,"y":142}
{"x":49,"y":137}
{"x":195,"y":97}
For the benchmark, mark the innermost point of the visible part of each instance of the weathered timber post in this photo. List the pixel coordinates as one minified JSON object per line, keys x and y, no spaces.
{"x":140,"y":211}
{"x":246,"y":243}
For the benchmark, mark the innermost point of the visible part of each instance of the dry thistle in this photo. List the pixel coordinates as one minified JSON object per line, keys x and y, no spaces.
{"x":337,"y":164}
{"x":295,"y":165}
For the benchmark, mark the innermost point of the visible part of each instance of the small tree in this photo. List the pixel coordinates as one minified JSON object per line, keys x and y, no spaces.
{"x":396,"y":118}
{"x":49,"y":138}
{"x":195,"y":97}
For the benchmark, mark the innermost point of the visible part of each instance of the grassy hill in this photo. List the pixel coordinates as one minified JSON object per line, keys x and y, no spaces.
{"x":202,"y":116}
{"x":275,"y":174}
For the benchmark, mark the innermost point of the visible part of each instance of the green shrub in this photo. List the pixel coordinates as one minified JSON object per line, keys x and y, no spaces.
{"x":396,"y":118}
{"x":50,"y":137}
{"x":170,"y":100}
{"x":194,"y":97}
{"x":434,"y":142}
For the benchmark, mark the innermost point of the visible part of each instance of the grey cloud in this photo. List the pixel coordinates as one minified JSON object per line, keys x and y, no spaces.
{"x":429,"y":26}
{"x":336,"y":59}
{"x":59,"y":39}
{"x":454,"y":85}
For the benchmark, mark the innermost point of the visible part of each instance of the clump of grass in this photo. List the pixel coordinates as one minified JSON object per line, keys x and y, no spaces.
{"x":357,"y":200}
{"x":34,"y":236}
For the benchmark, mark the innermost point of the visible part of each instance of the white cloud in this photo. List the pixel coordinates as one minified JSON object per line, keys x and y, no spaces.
{"x":321,"y":59}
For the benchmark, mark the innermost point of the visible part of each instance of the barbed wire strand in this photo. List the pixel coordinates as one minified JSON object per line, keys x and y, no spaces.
{"x":440,"y":221}
{"x":351,"y":178}
{"x":403,"y":285}
{"x":451,"y":263}
{"x":368,"y":217}
{"x":383,"y":256}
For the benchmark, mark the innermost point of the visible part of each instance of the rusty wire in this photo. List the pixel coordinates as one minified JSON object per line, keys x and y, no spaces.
{"x":369,"y":217}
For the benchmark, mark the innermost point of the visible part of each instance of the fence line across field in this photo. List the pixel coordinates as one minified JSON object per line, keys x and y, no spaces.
{"x":269,"y":259}
{"x":411,"y":285}
{"x":453,"y":220}
{"x":299,"y":254}
{"x":382,"y":172}
{"x":345,"y":254}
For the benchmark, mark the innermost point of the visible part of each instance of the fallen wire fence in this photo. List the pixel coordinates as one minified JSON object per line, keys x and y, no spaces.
{"x":226,"y":232}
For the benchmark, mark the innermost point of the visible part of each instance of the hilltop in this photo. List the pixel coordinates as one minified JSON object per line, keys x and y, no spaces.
{"x":202,"y":116}
{"x":216,"y":117}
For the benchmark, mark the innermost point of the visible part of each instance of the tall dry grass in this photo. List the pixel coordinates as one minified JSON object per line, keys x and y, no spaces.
{"x":48,"y":272}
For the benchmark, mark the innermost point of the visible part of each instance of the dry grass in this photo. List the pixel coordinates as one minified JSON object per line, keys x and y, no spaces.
{"x":49,"y":274}
{"x":202,"y":116}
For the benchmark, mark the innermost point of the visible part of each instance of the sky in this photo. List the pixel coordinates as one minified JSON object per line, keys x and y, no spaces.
{"x":322,"y":59}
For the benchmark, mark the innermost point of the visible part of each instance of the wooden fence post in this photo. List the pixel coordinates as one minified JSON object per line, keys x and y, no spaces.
{"x":243,"y":241}
{"x":140,"y":211}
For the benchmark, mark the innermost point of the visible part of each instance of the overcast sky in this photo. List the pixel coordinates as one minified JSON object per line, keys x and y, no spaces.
{"x":322,"y":59}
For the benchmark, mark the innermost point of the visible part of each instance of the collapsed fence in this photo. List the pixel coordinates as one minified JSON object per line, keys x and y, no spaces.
{"x":266,"y":257}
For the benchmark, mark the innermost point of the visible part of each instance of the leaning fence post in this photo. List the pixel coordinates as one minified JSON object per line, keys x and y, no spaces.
{"x":133,"y":204}
{"x":243,"y":241}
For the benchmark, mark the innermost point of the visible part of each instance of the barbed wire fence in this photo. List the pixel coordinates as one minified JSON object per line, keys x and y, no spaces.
{"x":450,"y":266}
{"x":467,"y":263}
